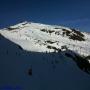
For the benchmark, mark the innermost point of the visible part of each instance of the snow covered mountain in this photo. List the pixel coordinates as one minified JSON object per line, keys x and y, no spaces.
{"x":31,"y":43}
{"x":47,"y":38}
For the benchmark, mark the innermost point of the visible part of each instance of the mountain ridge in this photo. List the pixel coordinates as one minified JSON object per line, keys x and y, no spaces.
{"x":42,"y":36}
{"x":35,"y":56}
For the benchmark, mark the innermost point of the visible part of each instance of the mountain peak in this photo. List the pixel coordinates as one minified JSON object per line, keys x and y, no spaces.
{"x":29,"y":37}
{"x":47,"y":38}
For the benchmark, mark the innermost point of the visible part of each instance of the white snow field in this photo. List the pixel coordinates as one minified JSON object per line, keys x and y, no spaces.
{"x":50,"y":51}
{"x":36,"y":37}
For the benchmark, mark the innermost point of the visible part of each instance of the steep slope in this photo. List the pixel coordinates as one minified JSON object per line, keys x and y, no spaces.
{"x":36,"y":37}
{"x":47,"y":38}
{"x":51,"y":56}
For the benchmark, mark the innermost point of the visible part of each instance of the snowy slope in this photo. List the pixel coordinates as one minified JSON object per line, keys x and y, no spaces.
{"x":49,"y":53}
{"x":37,"y":37}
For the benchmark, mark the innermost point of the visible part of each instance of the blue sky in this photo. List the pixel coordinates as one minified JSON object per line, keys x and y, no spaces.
{"x":72,"y":13}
